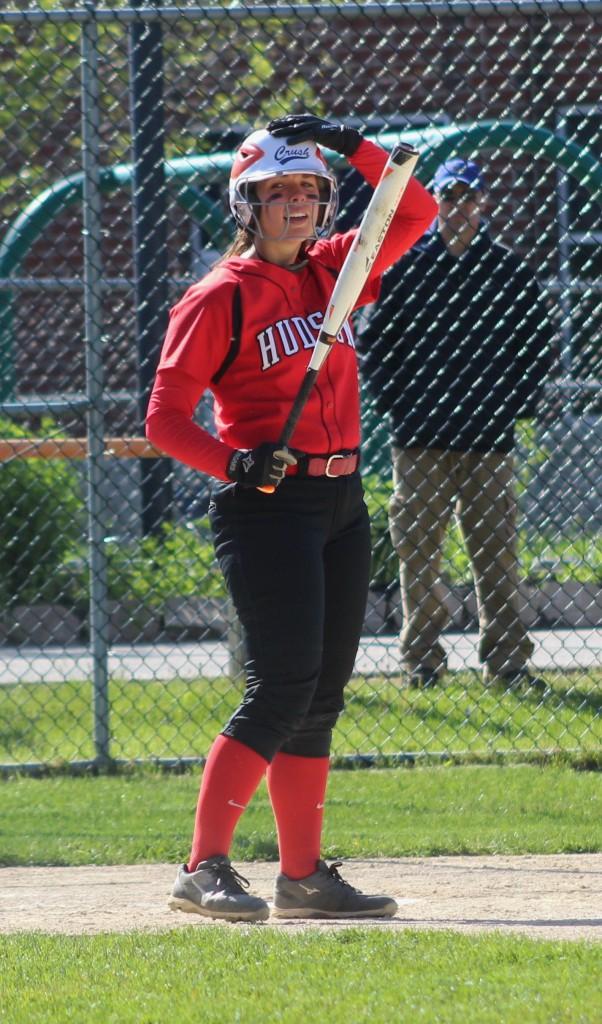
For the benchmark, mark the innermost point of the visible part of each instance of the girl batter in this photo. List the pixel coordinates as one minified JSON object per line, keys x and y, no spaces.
{"x":296,"y":562}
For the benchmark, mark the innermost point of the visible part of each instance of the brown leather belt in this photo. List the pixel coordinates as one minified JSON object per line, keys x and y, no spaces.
{"x":339,"y":464}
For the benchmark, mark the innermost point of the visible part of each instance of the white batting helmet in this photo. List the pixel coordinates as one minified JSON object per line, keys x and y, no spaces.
{"x":262,"y":156}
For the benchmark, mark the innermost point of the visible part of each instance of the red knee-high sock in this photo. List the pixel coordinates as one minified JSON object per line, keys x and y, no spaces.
{"x":297,"y":786}
{"x":231,"y":775}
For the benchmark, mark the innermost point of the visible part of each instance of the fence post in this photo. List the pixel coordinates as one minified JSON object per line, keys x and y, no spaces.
{"x":94,"y":381}
{"x":149,"y":203}
{"x":7,"y":369}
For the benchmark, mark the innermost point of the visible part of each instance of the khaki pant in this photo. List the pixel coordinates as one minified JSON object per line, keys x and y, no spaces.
{"x":429,"y":485}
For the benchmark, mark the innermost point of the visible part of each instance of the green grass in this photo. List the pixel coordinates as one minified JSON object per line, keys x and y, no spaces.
{"x":146,"y":816}
{"x":464,"y":717}
{"x":52,"y":722}
{"x":251,"y":975}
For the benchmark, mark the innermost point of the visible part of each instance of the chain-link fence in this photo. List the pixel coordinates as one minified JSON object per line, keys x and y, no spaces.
{"x":117,"y":642}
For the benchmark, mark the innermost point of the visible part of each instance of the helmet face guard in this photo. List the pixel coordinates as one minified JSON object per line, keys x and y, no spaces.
{"x":260,"y":157}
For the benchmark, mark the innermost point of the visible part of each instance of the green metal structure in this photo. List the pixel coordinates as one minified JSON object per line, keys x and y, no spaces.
{"x":189,"y":173}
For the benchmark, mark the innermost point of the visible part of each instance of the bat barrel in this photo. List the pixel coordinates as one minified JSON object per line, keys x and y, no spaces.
{"x":402,"y":153}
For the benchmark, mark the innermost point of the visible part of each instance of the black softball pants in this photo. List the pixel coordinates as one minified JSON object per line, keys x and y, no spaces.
{"x":297,"y":566}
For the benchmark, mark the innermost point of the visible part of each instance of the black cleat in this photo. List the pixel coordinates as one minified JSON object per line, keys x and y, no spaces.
{"x":325,"y":894}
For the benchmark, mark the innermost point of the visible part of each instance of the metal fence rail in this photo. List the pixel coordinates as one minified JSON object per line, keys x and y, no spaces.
{"x":117,"y":642}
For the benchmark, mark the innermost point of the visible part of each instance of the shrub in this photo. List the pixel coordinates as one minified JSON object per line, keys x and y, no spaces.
{"x":41,"y":518}
{"x":178,"y":563}
{"x":384,"y":560}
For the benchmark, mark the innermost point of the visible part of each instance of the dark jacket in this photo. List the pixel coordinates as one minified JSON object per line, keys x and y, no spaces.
{"x":456,"y":349}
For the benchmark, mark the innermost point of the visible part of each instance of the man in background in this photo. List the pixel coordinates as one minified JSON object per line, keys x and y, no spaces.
{"x":455,"y":352}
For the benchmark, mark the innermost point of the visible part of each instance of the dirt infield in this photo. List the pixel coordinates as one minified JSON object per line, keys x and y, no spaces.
{"x":552,"y":897}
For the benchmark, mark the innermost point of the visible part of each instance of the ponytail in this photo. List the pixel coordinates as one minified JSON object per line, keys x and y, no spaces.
{"x":242,"y":241}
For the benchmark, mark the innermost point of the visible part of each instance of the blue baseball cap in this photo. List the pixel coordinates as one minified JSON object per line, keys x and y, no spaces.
{"x":456,"y":170}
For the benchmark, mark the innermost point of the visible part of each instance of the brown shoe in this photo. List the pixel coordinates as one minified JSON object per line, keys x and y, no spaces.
{"x":521,"y":680}
{"x":422,"y":678}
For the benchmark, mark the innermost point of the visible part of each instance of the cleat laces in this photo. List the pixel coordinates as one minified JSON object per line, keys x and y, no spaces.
{"x":334,"y":873}
{"x":227,"y":876}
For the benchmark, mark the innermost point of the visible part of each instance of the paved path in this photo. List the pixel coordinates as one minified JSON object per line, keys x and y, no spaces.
{"x":551,"y":897}
{"x":554,"y":649}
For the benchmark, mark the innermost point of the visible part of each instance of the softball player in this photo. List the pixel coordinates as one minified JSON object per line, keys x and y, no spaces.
{"x":296,"y":562}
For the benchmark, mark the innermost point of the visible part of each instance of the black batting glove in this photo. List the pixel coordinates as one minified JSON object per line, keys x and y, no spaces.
{"x":297,"y":128}
{"x":261,"y":466}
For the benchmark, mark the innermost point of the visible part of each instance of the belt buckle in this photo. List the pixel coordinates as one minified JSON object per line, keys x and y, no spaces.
{"x":331,"y":459}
